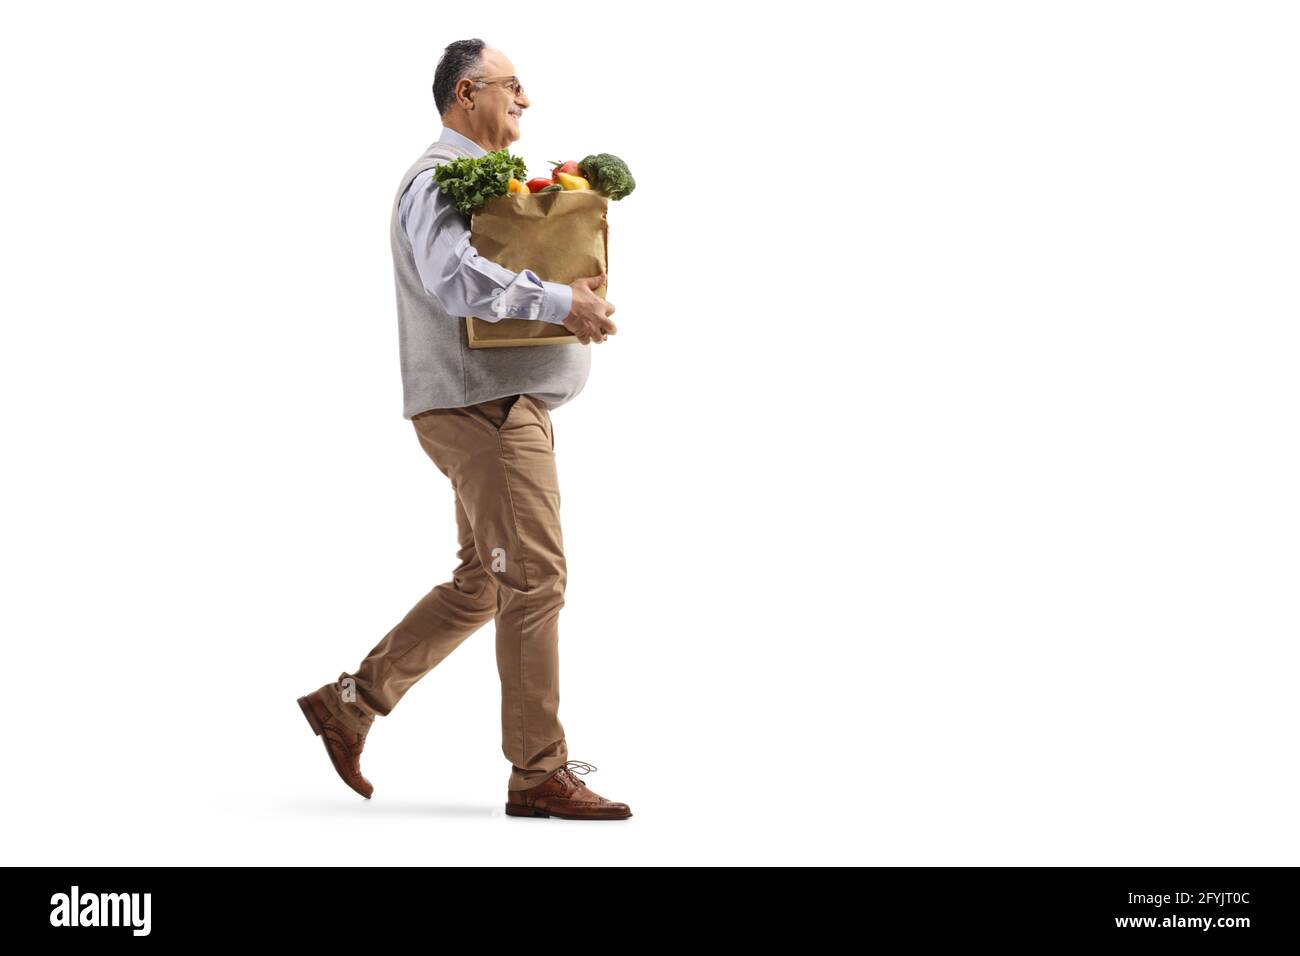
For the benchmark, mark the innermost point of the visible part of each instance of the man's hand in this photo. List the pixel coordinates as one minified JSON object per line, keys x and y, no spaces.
{"x":588,"y":319}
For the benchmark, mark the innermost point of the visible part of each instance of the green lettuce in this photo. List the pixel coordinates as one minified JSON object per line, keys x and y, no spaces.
{"x":471,"y":181}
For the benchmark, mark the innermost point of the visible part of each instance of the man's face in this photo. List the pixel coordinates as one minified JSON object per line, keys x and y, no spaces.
{"x":497,"y":110}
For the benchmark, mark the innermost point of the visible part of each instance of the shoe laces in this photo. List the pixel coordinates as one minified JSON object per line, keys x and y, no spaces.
{"x":572,"y":765}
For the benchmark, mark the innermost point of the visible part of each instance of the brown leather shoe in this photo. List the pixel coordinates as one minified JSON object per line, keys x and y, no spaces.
{"x":564,"y":795}
{"x":342,"y":743}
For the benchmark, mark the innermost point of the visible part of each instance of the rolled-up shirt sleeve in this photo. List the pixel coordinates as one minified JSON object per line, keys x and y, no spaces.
{"x":463,"y":282}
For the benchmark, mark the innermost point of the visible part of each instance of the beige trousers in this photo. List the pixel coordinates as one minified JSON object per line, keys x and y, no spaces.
{"x":500,"y":458}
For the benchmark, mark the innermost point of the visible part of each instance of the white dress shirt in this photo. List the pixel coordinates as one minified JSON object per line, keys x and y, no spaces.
{"x":463,"y":282}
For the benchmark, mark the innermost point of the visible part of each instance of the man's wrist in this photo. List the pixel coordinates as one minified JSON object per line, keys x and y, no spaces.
{"x":558,"y":303}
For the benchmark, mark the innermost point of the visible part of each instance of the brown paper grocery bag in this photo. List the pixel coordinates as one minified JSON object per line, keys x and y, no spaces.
{"x":561,"y":236}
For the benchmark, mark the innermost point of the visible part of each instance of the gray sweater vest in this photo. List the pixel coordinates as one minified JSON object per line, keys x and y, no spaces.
{"x":439,"y":369}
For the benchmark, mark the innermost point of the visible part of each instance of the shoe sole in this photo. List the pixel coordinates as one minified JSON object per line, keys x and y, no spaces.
{"x":515,"y":810}
{"x":310,"y":714}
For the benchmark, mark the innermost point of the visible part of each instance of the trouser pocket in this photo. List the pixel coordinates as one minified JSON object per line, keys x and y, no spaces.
{"x":495,"y":411}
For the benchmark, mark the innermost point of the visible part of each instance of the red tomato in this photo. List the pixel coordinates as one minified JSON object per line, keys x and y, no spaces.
{"x":537,"y":185}
{"x":571,"y":167}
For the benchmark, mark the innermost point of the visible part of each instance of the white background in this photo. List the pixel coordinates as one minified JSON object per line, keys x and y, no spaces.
{"x":935,"y":502}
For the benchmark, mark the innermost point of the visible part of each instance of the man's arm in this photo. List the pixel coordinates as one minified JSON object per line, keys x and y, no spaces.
{"x":463,"y":282}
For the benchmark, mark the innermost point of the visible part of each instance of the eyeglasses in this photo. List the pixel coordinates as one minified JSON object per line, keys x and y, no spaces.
{"x":509,"y":82}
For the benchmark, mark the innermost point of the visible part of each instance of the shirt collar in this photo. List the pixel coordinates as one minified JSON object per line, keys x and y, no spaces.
{"x":449,"y":135}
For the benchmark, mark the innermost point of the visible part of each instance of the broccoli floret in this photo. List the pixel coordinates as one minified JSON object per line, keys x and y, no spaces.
{"x":608,"y":175}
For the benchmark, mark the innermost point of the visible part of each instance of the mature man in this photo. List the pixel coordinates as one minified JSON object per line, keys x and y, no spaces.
{"x":483,"y":417}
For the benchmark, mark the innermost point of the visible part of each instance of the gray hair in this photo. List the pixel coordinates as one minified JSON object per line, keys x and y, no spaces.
{"x":459,"y":61}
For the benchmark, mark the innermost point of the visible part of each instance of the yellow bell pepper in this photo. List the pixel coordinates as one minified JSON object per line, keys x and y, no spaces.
{"x":515,"y":186}
{"x":569,"y":181}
